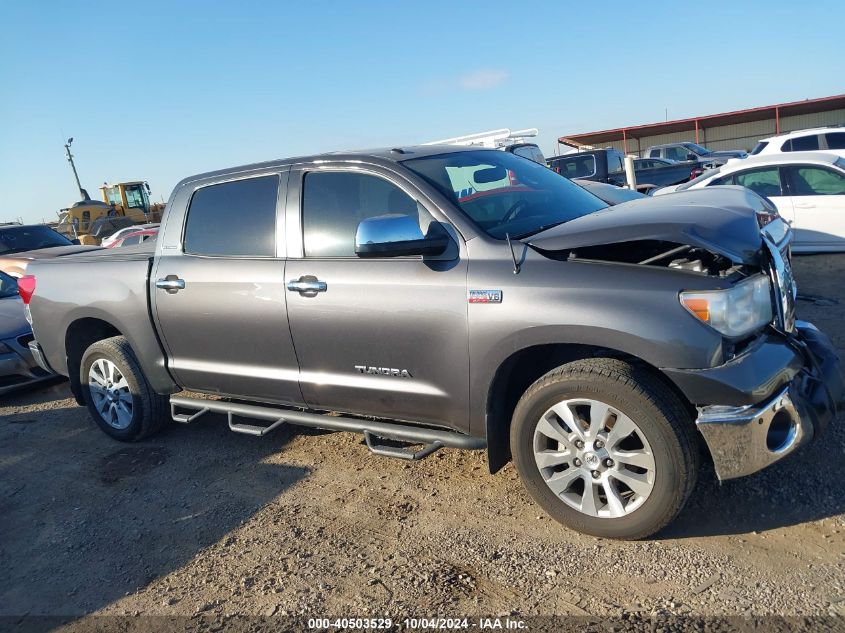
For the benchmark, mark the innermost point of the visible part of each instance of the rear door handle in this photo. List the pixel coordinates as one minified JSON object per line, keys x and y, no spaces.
{"x":171,"y":284}
{"x":307,"y":285}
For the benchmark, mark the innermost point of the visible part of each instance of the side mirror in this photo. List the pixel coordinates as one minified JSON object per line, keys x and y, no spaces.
{"x":75,"y":241}
{"x":692,"y":156}
{"x":396,"y":235}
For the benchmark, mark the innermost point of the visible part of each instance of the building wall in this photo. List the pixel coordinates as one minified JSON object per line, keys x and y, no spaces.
{"x":739,"y":136}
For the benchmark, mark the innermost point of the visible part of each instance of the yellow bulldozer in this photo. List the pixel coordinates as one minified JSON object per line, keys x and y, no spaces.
{"x":122,"y":204}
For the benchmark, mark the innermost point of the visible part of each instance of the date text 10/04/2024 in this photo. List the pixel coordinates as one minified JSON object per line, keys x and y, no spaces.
{"x":417,"y":623}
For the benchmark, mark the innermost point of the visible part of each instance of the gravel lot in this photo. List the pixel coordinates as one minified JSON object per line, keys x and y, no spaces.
{"x":199,"y":520}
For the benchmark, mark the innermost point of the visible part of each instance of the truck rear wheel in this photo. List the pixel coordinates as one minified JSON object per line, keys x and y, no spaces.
{"x":117,"y":393}
{"x":605,"y":449}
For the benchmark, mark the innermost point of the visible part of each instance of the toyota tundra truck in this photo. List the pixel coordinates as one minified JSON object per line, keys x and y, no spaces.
{"x":440,"y":296}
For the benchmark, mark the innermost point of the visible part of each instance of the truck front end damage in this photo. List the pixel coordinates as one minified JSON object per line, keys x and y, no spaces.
{"x":797,"y":369}
{"x":777,"y":382}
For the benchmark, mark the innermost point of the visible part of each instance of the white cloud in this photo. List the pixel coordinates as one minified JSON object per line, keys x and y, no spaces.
{"x":483,"y":79}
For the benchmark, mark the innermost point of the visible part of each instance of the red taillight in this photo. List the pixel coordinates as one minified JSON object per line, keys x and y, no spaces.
{"x":26,"y":288}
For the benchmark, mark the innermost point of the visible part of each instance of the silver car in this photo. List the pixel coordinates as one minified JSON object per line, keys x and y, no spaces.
{"x":17,"y":367}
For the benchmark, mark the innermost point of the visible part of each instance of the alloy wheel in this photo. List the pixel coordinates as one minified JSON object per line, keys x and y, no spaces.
{"x":110,"y":393}
{"x":594,"y":458}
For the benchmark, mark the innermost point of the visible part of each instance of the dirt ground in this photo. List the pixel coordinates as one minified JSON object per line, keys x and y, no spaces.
{"x":199,"y":520}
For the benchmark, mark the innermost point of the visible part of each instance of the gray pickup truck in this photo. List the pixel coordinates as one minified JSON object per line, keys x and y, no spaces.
{"x":436,"y":296}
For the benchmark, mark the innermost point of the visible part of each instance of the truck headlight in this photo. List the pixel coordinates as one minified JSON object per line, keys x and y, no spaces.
{"x":735,"y":311}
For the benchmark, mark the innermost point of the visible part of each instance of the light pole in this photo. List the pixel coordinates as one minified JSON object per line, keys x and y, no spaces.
{"x":82,"y":191}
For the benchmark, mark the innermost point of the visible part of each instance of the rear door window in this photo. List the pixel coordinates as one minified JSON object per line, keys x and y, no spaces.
{"x":233,"y":219}
{"x":801,"y":144}
{"x":835,"y":140}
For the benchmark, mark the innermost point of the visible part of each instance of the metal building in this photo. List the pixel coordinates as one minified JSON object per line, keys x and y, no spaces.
{"x":729,"y":130}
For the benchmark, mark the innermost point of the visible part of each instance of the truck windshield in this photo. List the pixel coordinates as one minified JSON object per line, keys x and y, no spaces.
{"x":698,"y":149}
{"x":504,"y":194}
{"x":17,"y":239}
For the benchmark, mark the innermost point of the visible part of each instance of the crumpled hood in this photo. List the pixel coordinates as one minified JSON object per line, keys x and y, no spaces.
{"x":720,"y":219}
{"x":12,"y":320}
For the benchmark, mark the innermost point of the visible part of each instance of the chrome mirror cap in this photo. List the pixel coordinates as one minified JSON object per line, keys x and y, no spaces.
{"x":382,"y":229}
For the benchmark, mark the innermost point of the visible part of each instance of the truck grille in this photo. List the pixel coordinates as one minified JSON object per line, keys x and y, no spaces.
{"x":789,"y":290}
{"x":783,"y":281}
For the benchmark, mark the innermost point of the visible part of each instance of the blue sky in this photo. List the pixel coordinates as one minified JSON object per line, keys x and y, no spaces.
{"x":162,"y":90}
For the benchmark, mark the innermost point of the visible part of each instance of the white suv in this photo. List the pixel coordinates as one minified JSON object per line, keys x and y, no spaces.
{"x":807,"y":188}
{"x":825,"y":139}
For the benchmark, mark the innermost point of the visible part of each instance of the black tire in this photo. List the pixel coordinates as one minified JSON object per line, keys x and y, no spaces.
{"x":650,"y":404}
{"x":149,"y":411}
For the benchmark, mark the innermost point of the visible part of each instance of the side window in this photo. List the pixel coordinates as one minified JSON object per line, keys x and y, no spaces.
{"x":334,"y":202}
{"x":233,"y":219}
{"x":815,"y":181}
{"x":655,"y":153}
{"x":835,"y":140}
{"x":677,"y":153}
{"x":805,"y":143}
{"x":724,"y":180}
{"x":615,"y":163}
{"x":129,"y":241}
{"x":578,"y":166}
{"x":764,"y":181}
{"x":114,"y":196}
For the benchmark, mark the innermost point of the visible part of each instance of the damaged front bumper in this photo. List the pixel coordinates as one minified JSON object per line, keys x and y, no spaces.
{"x":798,"y":389}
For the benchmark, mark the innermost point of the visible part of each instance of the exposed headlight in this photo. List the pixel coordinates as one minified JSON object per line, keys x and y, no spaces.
{"x":5,"y":349}
{"x":736,"y":311}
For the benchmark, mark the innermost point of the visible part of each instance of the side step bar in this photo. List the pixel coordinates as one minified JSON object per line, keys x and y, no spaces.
{"x":434,"y":439}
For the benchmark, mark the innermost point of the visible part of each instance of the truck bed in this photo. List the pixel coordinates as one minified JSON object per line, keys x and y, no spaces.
{"x":108,"y":288}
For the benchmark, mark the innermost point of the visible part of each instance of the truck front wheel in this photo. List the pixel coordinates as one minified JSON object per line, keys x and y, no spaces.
{"x":117,"y":393}
{"x":604,"y":448}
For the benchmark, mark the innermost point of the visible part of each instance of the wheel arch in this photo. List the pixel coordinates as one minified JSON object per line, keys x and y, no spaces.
{"x":523,"y":367}
{"x":79,"y":336}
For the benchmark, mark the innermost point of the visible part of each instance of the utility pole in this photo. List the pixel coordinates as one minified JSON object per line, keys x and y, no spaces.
{"x":82,"y":191}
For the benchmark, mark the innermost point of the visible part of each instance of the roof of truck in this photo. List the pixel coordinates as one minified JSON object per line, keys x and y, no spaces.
{"x":384,"y":154}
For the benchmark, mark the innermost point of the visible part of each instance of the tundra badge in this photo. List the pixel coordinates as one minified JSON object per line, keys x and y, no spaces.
{"x":383,"y":371}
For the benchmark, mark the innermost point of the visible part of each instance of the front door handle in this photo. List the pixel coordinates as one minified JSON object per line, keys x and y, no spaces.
{"x":307,"y":285}
{"x":172,"y":284}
